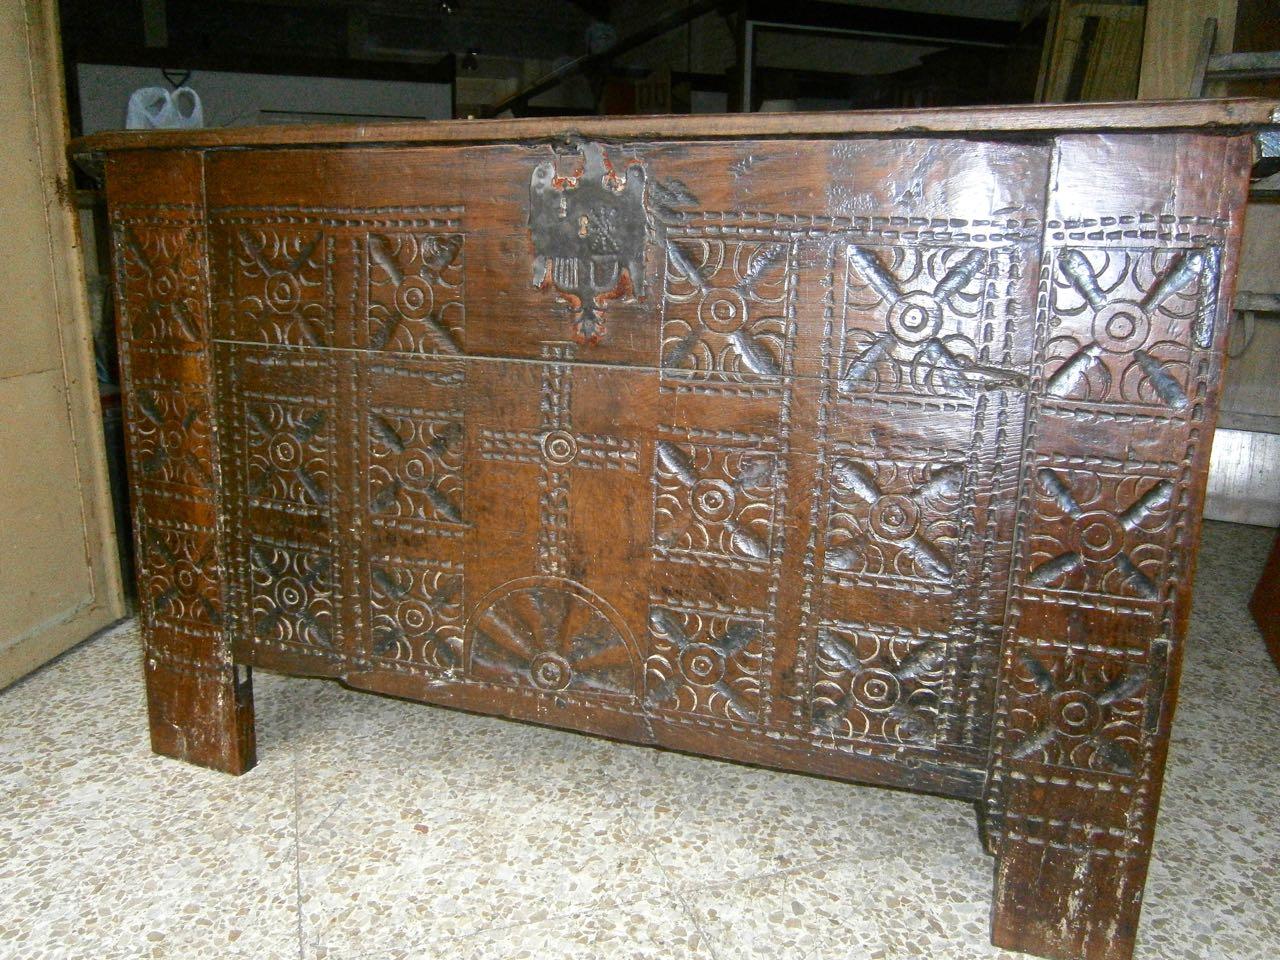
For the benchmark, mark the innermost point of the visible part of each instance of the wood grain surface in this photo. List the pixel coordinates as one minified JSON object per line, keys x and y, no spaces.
{"x":1241,"y":113}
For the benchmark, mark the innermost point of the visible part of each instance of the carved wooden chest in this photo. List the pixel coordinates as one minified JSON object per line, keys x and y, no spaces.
{"x":870,"y":445}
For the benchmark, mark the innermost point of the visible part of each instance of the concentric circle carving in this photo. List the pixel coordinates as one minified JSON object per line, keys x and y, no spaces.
{"x":713,"y":501}
{"x":285,"y":453}
{"x":1075,"y":713}
{"x":895,"y":517}
{"x":876,"y":689}
{"x":414,"y":298}
{"x":559,"y":447}
{"x":1121,"y":326}
{"x":702,"y":664}
{"x":722,"y":311}
{"x":1097,"y":535}
{"x":550,"y":671}
{"x":915,"y":317}
{"x":283,"y":292}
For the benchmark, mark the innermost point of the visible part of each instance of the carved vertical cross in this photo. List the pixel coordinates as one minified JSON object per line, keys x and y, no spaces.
{"x":557,"y":448}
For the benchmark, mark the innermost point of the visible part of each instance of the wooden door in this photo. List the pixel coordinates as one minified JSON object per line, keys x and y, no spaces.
{"x":59,"y":577}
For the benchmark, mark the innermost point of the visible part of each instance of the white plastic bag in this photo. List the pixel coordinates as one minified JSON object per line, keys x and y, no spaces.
{"x":153,"y":108}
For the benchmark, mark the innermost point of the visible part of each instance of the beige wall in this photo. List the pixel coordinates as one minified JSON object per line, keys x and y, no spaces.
{"x":59,"y":578}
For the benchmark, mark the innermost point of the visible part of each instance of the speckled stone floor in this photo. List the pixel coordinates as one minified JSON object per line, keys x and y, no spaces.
{"x":384,"y":830}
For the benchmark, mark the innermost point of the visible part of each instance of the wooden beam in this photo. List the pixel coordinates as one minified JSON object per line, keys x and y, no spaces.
{"x":594,"y":61}
{"x":885,"y":23}
{"x":1227,"y":116}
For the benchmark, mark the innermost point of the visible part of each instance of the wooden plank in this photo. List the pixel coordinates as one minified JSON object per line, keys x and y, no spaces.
{"x":1253,"y":422}
{"x":1228,"y":114}
{"x":1244,"y":482}
{"x":1171,"y":47}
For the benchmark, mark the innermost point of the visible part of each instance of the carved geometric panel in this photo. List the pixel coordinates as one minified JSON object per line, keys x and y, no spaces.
{"x":179,"y":575}
{"x":415,"y":292}
{"x":291,"y":594}
{"x":728,"y":312}
{"x":920,"y":320}
{"x":161,"y":282}
{"x":878,"y":683}
{"x":706,"y":660}
{"x":893,"y":518}
{"x":1124,"y":323}
{"x":714,"y":503}
{"x":280,"y":285}
{"x":1101,"y":529}
{"x":553,"y":635}
{"x":289,"y":446}
{"x":1069,"y":708}
{"x":416,"y":612}
{"x":170,"y":435}
{"x":415,"y":474}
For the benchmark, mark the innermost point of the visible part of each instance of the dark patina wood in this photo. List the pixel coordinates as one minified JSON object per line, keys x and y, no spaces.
{"x":1265,"y":603}
{"x":869,"y":445}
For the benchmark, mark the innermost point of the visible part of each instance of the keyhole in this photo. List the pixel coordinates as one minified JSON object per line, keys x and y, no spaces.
{"x":582,"y":225}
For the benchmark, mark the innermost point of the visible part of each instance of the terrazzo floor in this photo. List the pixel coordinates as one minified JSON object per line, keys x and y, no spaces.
{"x":383,"y":830}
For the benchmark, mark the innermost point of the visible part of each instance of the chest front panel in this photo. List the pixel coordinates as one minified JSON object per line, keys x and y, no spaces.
{"x":719,"y":445}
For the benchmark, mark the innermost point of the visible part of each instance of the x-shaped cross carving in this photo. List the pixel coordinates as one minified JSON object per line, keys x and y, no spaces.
{"x":717,"y":501}
{"x":702,"y":662}
{"x":1077,"y":713}
{"x":397,"y":585}
{"x":726,"y":323}
{"x":877,"y":687}
{"x":165,"y":452}
{"x":282,"y":289}
{"x":437,"y":448}
{"x":164,"y":290}
{"x":1098,"y":536}
{"x":183,"y":576}
{"x":415,"y":299}
{"x":915,"y":319}
{"x":276,"y":613}
{"x":1124,"y":326}
{"x":285,"y":450}
{"x":896,"y":517}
